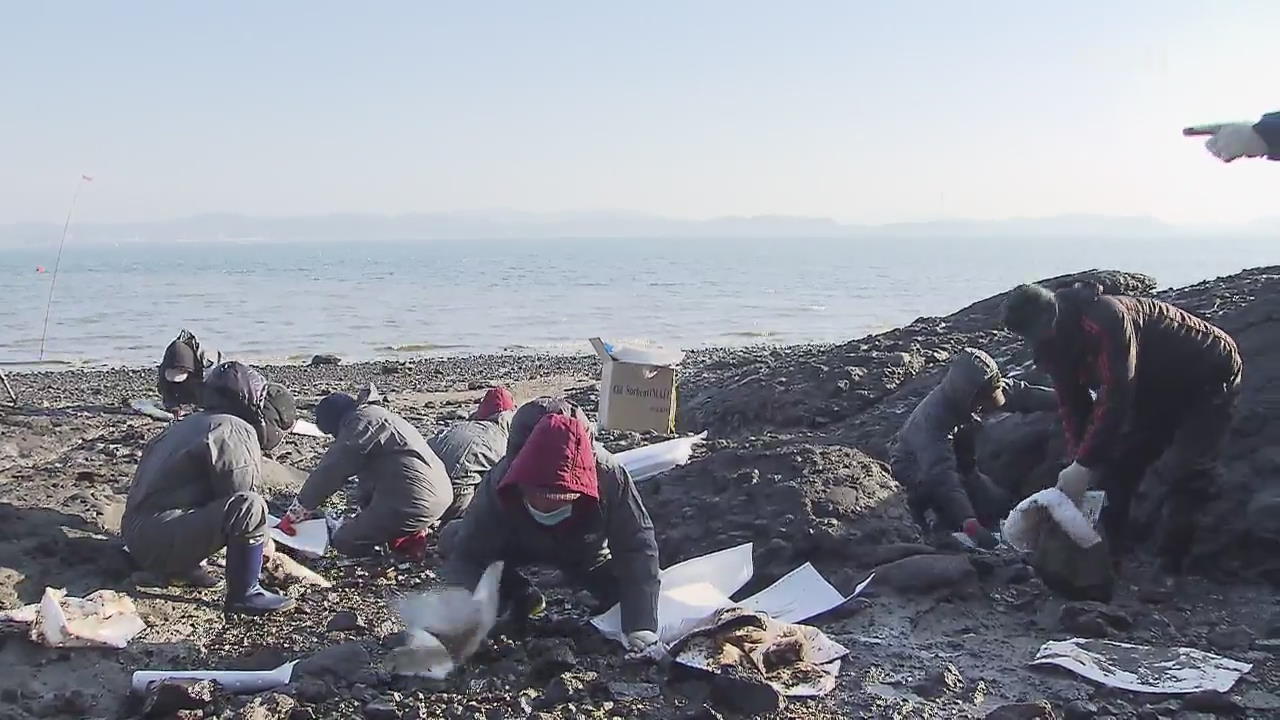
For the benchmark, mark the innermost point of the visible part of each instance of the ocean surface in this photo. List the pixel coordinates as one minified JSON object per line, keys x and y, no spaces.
{"x":121,"y":304}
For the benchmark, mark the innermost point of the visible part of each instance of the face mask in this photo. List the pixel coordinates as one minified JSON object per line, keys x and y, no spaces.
{"x":554,"y":517}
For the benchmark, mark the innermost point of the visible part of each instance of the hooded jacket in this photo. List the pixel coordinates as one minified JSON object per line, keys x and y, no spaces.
{"x":470,"y":448}
{"x":210,"y":455}
{"x":936,"y":445}
{"x":1138,"y":354}
{"x":612,"y":521}
{"x":185,"y":351}
{"x":387,"y":454}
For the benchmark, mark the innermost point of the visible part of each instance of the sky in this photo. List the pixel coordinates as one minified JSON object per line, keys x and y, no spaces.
{"x":865,"y":112}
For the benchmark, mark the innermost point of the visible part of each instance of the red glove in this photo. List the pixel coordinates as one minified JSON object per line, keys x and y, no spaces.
{"x":286,"y":527}
{"x":979,"y":535}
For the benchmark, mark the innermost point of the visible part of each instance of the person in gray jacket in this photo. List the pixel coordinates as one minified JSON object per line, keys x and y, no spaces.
{"x":934,"y":455}
{"x":557,"y":498}
{"x":471,"y":447}
{"x":403,"y":489}
{"x":196,"y":489}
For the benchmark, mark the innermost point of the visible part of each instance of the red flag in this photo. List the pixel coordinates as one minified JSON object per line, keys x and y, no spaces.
{"x":86,"y":178}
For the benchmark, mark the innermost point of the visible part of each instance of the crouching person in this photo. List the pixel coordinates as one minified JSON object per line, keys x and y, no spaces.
{"x":934,"y":455}
{"x":471,"y":447}
{"x":196,"y":489}
{"x":402,"y":488}
{"x":558,"y":499}
{"x":182,"y":371}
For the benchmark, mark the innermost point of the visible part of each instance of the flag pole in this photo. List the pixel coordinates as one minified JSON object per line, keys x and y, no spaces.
{"x":13,"y":399}
{"x":54,"y":280}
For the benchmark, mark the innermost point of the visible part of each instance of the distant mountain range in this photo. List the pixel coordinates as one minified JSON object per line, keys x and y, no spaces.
{"x":505,"y":224}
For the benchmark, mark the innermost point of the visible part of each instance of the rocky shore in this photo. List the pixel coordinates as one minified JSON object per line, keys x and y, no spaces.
{"x":794,"y":465}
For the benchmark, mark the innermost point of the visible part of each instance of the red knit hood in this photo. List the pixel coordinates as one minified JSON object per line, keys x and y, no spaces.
{"x":557,"y":458}
{"x":497,"y":400}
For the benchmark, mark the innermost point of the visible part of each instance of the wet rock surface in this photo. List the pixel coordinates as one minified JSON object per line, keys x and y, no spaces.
{"x":794,"y":465}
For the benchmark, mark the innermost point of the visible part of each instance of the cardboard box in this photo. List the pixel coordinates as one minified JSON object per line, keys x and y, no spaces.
{"x":637,"y":396}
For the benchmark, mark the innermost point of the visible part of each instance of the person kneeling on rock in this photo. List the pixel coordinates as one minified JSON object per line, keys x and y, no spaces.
{"x":182,"y":371}
{"x":557,"y":498}
{"x":934,"y":455}
{"x":196,"y":489}
{"x":471,"y":447}
{"x":402,"y":490}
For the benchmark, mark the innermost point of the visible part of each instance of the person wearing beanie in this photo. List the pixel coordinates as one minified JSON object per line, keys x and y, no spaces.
{"x":196,"y":489}
{"x":558,"y":498}
{"x":402,"y":490}
{"x":934,"y":455}
{"x":180,"y":377}
{"x":1135,"y":378}
{"x":469,"y":448}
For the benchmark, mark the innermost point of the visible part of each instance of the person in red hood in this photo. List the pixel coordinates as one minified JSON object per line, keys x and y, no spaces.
{"x":469,"y":448}
{"x":557,"y":498}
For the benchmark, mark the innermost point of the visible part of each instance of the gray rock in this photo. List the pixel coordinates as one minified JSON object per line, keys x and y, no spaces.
{"x":550,"y":657}
{"x":1023,"y":711}
{"x":634,"y":690}
{"x":926,"y":574}
{"x":381,"y":709}
{"x":1080,"y":710}
{"x":325,"y":359}
{"x":567,"y":686}
{"x":312,"y":690}
{"x":339,"y":662}
{"x":747,"y":695}
{"x":169,"y":696}
{"x":1234,"y":637}
{"x":1257,"y":700}
{"x":946,"y":680}
{"x":267,"y":706}
{"x":1210,"y":701}
{"x":343,"y":621}
{"x":1093,"y":619}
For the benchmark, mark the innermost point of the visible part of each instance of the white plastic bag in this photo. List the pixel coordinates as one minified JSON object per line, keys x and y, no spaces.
{"x":1022,"y":528}
{"x":645,"y":462}
{"x":103,"y":618}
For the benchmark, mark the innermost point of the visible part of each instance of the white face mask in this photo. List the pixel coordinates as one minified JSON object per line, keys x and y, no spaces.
{"x":555,"y":517}
{"x":176,"y":375}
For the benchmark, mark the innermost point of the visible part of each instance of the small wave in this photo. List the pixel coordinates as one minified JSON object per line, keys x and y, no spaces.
{"x":749,"y":333}
{"x":664,"y":283}
{"x":418,"y":347}
{"x":815,"y":308}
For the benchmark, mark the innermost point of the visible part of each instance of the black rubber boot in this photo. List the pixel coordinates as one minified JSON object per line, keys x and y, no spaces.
{"x":245,"y":596}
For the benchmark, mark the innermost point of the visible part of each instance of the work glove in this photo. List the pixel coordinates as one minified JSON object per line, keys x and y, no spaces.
{"x":1236,"y":140}
{"x":979,"y":535}
{"x":644,"y":644}
{"x":1074,"y":481}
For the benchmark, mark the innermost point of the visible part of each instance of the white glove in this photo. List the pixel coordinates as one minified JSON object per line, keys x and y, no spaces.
{"x":645,"y":643}
{"x":1236,"y":140}
{"x":1074,"y":481}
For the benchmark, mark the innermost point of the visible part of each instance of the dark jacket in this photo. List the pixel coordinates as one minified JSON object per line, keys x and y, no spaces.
{"x":470,"y":448}
{"x":185,"y":353}
{"x":387,"y":454}
{"x":937,"y":445}
{"x":614,"y":523}
{"x":1138,"y":354}
{"x":1268,"y":128}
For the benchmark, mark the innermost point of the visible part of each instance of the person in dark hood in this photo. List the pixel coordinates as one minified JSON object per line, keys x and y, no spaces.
{"x":558,"y":498}
{"x":196,"y":489}
{"x":182,"y":371}
{"x":934,"y":455}
{"x":1165,"y":380}
{"x":471,"y":447}
{"x":403,"y":488}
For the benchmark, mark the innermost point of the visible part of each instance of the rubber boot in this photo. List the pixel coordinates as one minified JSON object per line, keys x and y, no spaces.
{"x":245,"y":595}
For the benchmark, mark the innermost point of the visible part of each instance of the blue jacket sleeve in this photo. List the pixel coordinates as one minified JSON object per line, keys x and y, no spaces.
{"x":1268,"y":128}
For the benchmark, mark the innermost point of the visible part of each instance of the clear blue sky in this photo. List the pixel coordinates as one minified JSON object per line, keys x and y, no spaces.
{"x":862,"y":111}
